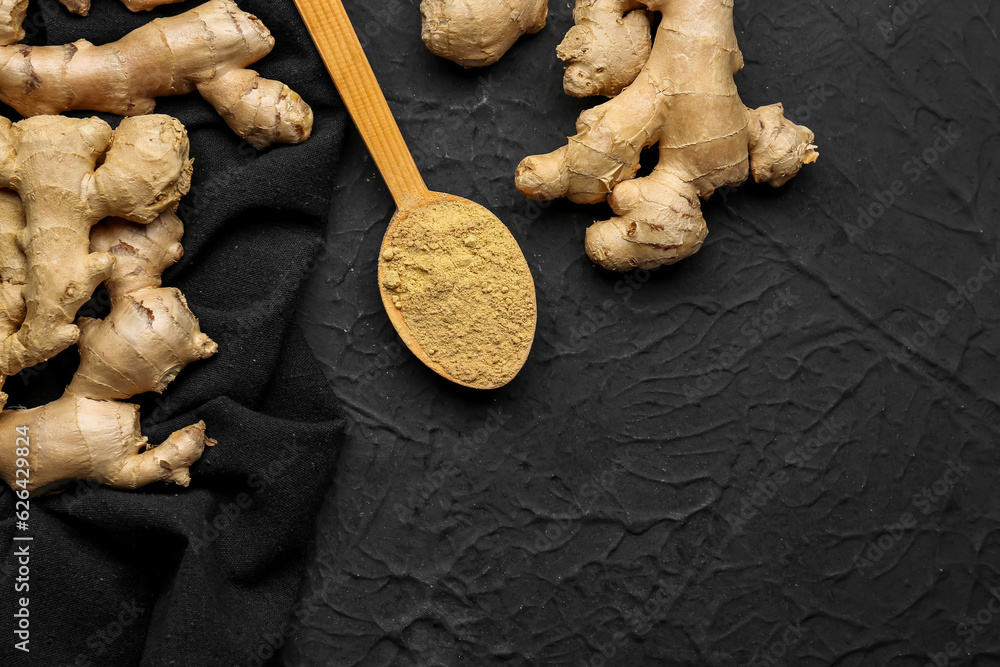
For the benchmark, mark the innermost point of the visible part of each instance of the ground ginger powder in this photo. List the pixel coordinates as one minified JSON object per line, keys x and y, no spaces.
{"x":464,"y":290}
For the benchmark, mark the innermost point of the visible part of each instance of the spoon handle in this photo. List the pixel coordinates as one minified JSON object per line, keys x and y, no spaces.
{"x":338,"y":44}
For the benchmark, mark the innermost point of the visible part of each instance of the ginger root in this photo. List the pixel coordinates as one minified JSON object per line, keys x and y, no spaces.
{"x":476,"y":33}
{"x":61,"y":177}
{"x":206,"y":49}
{"x":606,"y":48}
{"x":12,"y":14}
{"x":82,"y":7}
{"x":684,"y":99}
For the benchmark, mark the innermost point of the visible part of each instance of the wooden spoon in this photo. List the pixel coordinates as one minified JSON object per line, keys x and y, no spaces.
{"x":483,"y":345}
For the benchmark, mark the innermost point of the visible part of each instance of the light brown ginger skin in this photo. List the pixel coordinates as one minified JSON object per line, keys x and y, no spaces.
{"x":207,"y":49}
{"x":606,"y":48}
{"x":49,"y":165}
{"x":51,"y":162}
{"x":82,"y":7}
{"x":97,"y":441}
{"x":12,"y":14}
{"x":150,"y":334}
{"x":685,"y":100}
{"x":13,"y":264}
{"x":476,"y":33}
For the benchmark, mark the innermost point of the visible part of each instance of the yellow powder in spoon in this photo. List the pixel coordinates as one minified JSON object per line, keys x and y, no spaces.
{"x":464,"y":290}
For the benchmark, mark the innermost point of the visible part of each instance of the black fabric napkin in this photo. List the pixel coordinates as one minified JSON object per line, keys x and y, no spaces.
{"x":209,"y":575}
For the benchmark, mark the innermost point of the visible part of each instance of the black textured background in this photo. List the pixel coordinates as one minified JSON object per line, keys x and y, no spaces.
{"x":591,"y":527}
{"x":590,"y":512}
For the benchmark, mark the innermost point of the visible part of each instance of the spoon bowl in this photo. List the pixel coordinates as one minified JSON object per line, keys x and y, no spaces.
{"x":453,"y":280}
{"x":458,"y":291}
